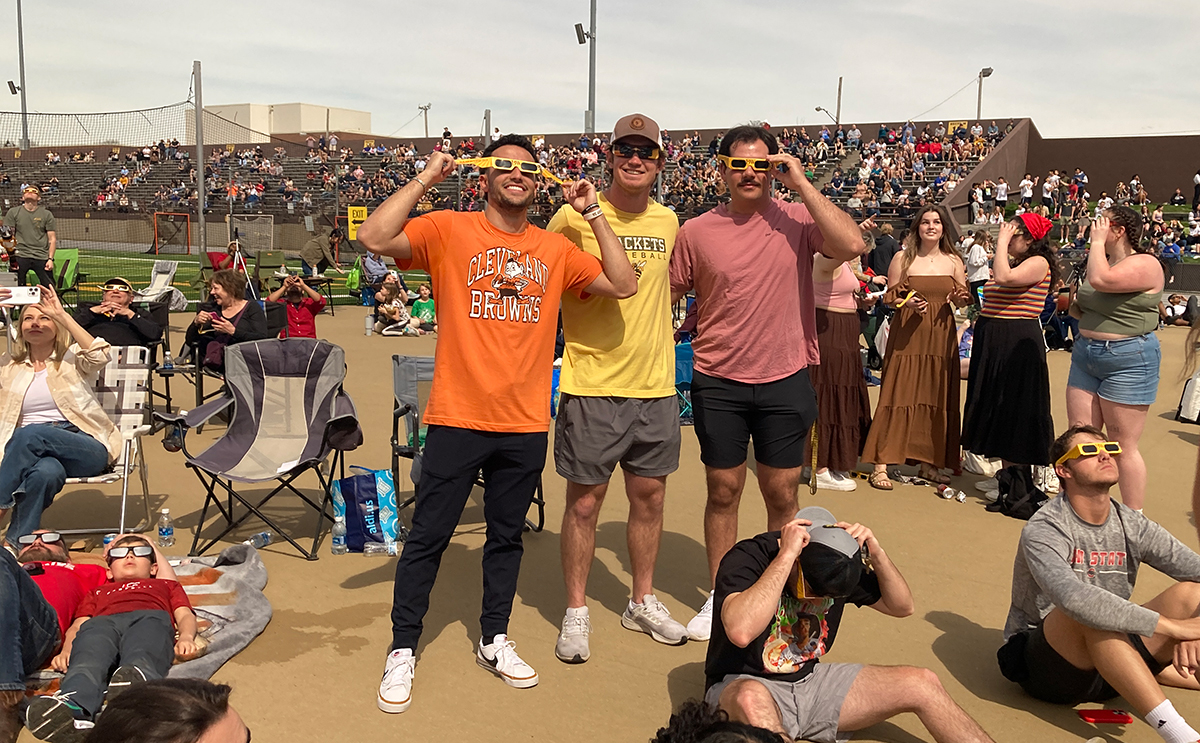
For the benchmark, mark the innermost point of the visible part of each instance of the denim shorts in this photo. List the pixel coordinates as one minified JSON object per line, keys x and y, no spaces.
{"x":1123,"y":371}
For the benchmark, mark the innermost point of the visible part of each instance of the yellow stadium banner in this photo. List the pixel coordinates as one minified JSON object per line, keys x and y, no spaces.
{"x":368,"y":143}
{"x":955,"y":125}
{"x":355,"y":216}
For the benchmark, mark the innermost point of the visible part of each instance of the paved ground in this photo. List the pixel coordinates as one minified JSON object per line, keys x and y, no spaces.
{"x":312,"y":675}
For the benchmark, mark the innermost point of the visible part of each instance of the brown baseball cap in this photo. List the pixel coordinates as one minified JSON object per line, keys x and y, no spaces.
{"x":636,"y":125}
{"x":117,"y":282}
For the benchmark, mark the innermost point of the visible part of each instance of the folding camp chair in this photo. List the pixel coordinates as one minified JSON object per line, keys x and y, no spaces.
{"x":683,"y":381}
{"x":268,"y":264}
{"x":289,"y":413}
{"x":67,"y":275}
{"x":123,"y":390}
{"x":162,"y":287}
{"x":408,"y":374}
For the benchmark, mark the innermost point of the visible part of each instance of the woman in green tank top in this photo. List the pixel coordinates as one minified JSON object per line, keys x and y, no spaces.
{"x":1114,"y":366}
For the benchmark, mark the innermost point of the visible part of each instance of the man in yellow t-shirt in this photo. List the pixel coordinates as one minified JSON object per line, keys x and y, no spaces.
{"x":618,"y":392}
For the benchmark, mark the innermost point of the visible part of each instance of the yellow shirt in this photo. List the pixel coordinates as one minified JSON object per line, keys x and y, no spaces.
{"x":622,"y":348}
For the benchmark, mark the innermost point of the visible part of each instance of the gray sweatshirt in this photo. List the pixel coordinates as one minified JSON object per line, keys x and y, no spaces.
{"x":1089,"y":571}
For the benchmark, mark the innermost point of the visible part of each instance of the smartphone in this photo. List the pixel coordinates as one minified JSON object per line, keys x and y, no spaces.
{"x":22,"y":295}
{"x":1113,"y":716}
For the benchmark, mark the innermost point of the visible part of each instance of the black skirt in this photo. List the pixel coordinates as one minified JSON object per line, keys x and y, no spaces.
{"x":1007,"y":413}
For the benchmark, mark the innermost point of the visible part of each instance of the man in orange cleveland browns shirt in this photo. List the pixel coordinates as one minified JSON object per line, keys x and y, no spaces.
{"x":498,"y":280}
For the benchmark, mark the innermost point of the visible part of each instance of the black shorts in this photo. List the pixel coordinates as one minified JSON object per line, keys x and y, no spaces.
{"x":1028,"y":659}
{"x":777,"y":415}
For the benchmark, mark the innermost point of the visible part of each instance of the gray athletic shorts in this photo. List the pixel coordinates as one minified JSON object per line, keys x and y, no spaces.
{"x":808,"y":708}
{"x":593,"y":434}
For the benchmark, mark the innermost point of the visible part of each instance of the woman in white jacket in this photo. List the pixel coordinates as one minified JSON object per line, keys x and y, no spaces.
{"x":51,"y":425}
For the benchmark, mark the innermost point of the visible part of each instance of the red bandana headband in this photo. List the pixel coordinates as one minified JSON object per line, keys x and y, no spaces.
{"x":1037,"y":225}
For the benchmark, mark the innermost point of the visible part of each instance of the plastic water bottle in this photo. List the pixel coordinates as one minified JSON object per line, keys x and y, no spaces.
{"x":337,"y":544}
{"x":260,"y":540}
{"x":166,"y":529}
{"x":375,"y":549}
{"x":168,"y":362}
{"x":369,"y":324}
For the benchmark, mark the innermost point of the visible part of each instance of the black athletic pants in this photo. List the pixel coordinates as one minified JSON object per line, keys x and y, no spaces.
{"x":38,"y":266}
{"x":511,"y":465}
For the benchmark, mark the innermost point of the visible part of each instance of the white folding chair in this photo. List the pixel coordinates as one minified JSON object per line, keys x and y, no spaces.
{"x":123,"y":389}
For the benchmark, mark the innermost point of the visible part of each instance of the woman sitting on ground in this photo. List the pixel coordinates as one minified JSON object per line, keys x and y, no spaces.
{"x":391,"y":311}
{"x":225,"y":319}
{"x":52,"y":426}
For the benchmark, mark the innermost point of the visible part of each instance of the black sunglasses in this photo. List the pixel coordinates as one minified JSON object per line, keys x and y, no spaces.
{"x":47,"y":537}
{"x":644,"y":152}
{"x":141,"y":550}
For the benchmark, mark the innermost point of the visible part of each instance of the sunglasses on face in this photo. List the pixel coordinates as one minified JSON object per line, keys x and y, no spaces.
{"x":627,"y":151}
{"x":1090,"y":449}
{"x":47,"y":537}
{"x":141,"y":550}
{"x":760,"y":164}
{"x":115,"y":288}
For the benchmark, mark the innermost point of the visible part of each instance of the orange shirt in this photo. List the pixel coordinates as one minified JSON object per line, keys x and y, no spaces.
{"x":498,"y":296}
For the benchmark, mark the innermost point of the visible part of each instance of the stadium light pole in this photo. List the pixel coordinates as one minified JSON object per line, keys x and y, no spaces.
{"x":589,"y":37}
{"x":826,"y":110}
{"x":201,"y":196}
{"x":985,"y":72}
{"x":21,"y":61}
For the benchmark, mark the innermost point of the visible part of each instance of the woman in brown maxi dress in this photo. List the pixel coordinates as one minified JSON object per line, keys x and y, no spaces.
{"x":917,"y":418}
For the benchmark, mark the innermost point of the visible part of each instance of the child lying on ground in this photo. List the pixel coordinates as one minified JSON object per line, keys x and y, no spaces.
{"x":129,"y":622}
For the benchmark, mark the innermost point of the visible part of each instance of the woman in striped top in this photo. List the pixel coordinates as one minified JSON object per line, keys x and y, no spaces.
{"x":1007,"y":414}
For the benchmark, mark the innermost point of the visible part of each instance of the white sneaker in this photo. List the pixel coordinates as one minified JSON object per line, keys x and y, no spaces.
{"x":572,"y":645}
{"x":700,"y":627}
{"x":652,"y":617}
{"x":989,"y":484}
{"x":831,"y":480}
{"x":980,"y":465}
{"x":991,"y":496}
{"x":501,"y":658}
{"x":395,"y":690}
{"x":1046,"y":479}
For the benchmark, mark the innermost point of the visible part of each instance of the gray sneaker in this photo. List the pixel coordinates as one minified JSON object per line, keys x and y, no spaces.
{"x":652,"y":617}
{"x":572,"y":645}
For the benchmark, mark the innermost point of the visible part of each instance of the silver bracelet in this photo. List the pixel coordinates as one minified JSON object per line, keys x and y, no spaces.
{"x":424,"y":188}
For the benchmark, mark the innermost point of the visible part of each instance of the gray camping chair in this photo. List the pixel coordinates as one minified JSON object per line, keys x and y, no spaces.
{"x":409,"y":375}
{"x":289,"y":412}
{"x":162,"y":287}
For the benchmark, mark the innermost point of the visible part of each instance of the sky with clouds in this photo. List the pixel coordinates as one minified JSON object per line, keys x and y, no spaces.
{"x":1077,"y":67}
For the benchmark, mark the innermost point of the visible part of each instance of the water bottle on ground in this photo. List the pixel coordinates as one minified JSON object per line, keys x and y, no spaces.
{"x":369,"y":324}
{"x":337,"y":544}
{"x":166,"y":529}
{"x":375,"y":549}
{"x":260,"y":540}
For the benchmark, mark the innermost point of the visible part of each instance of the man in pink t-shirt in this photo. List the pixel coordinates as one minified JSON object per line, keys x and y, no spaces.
{"x":750,"y":265}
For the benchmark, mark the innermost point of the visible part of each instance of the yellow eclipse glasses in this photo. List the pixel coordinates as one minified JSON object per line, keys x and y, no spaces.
{"x":1090,"y":449}
{"x":760,"y":164}
{"x":507,"y":164}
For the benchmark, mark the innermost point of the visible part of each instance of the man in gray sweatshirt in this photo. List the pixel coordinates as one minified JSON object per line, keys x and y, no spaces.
{"x":1072,"y":634}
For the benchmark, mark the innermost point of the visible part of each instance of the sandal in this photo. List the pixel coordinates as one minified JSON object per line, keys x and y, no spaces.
{"x":933,"y":475}
{"x":880,"y":481}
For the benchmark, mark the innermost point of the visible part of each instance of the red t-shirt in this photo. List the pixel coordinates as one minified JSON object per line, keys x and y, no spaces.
{"x":64,"y":585}
{"x":302,"y":318}
{"x":134,"y":595}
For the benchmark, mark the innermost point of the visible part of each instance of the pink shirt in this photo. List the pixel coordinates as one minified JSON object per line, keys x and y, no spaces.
{"x":752,"y":275}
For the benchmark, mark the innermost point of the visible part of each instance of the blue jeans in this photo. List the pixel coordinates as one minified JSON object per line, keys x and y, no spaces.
{"x":28,"y":625}
{"x":37,"y":461}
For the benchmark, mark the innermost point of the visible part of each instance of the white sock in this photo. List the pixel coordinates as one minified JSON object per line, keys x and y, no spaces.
{"x":580,"y":612}
{"x":1170,"y":724}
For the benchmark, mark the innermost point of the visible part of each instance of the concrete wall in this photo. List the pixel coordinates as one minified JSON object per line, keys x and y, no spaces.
{"x":1009,"y":160}
{"x":1164,"y":163}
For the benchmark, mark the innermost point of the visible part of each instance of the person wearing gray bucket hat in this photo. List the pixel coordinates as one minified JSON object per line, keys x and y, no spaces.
{"x":777,"y":607}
